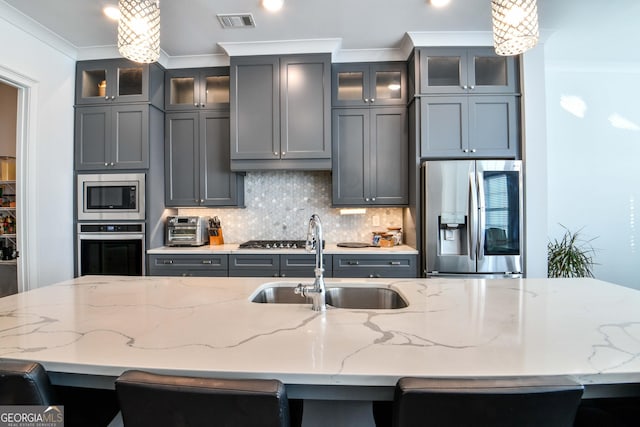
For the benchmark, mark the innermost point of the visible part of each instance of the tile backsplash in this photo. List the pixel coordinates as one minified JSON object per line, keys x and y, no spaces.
{"x":279,"y":204}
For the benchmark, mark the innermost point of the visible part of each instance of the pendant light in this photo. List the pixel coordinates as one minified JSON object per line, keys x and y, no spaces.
{"x":515,"y":26}
{"x":139,"y":30}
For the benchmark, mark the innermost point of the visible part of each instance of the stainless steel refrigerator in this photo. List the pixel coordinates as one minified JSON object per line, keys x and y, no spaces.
{"x":472,"y":218}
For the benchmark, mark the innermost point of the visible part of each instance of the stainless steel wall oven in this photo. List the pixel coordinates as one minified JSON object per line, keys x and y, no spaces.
{"x":111,"y":249}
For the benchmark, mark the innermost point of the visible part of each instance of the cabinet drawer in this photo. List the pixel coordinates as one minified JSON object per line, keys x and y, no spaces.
{"x":254,"y":265}
{"x":303,"y":265}
{"x":192,"y":265}
{"x":375,"y":266}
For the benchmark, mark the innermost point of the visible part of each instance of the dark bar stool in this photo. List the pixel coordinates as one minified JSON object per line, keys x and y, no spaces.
{"x":148,"y":399}
{"x":551,"y":401}
{"x":24,"y":383}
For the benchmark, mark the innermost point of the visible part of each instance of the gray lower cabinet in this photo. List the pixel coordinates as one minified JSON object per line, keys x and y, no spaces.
{"x":280,"y":112}
{"x":274,"y":265}
{"x":469,"y":126}
{"x":112,"y":137}
{"x":373,"y":266}
{"x":197,"y":169}
{"x":189,"y":265}
{"x":370,"y":162}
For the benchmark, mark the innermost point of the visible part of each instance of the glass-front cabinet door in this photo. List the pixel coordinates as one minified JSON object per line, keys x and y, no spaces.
{"x":468,"y":71}
{"x":357,"y":85}
{"x":108,"y":81}
{"x":188,"y":89}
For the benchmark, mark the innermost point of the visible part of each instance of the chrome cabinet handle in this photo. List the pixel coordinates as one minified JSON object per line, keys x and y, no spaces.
{"x":353,"y":262}
{"x":394,"y":262}
{"x":167,"y":261}
{"x":207,"y":261}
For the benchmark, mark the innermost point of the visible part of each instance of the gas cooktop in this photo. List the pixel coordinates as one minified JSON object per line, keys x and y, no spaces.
{"x":273,"y":244}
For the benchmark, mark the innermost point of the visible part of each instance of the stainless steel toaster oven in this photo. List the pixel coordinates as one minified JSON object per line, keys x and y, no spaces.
{"x":186,"y":231}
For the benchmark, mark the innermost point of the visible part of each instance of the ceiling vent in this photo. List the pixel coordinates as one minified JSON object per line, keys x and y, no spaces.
{"x":236,"y":20}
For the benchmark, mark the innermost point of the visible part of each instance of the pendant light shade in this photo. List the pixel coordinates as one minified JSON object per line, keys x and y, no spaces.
{"x":139,"y":30}
{"x":515,"y":26}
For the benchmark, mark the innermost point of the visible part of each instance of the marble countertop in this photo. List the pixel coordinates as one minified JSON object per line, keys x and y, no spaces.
{"x":330,"y":249}
{"x":102,"y":325}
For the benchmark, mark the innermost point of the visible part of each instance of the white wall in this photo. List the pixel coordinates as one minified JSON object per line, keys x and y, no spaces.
{"x":49,"y":152}
{"x":594,"y":160}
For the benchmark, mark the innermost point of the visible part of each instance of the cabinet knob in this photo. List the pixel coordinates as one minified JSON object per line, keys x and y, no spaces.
{"x":201,"y":201}
{"x":113,"y":97}
{"x":465,"y":151}
{"x":275,"y":153}
{"x":106,"y":98}
{"x":472,"y":87}
{"x":465,"y":87}
{"x":106,"y":164}
{"x":283,"y":275}
{"x":473,"y":150}
{"x":202,"y":105}
{"x":366,"y":100}
{"x":283,"y":153}
{"x":373,"y":100}
{"x":195,"y":104}
{"x":366,"y":199}
{"x":373,"y":199}
{"x":111,"y":164}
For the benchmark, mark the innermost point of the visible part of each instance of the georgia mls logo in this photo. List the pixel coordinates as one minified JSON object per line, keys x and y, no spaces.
{"x":31,"y":416}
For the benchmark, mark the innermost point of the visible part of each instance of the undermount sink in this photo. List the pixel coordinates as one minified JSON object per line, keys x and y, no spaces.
{"x":354,"y":297}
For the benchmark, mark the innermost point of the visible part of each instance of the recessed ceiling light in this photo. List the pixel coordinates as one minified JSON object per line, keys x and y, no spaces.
{"x":112,"y":12}
{"x":439,"y":3}
{"x":272,"y":5}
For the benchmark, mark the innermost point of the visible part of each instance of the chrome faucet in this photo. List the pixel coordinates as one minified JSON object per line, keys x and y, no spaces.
{"x":316,"y":291}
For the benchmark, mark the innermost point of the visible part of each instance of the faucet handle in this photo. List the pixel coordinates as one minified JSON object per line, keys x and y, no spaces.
{"x":299,"y":290}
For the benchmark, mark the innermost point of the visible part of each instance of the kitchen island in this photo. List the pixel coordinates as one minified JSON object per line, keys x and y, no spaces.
{"x":89,"y":330}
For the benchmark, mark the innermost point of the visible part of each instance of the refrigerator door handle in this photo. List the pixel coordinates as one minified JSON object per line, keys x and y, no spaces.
{"x":482,"y":217}
{"x":472,"y":228}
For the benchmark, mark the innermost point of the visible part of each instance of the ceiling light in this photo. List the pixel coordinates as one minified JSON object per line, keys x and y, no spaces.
{"x":272,"y":5}
{"x":112,"y":12}
{"x":439,"y":3}
{"x":139,"y":30}
{"x":515,"y":26}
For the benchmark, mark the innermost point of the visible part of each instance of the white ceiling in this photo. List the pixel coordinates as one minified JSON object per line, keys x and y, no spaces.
{"x":190,"y":27}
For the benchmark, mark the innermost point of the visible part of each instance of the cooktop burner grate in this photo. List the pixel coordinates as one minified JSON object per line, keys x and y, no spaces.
{"x":273,"y":244}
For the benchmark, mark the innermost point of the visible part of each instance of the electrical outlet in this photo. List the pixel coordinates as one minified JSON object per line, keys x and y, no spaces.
{"x":376,"y":220}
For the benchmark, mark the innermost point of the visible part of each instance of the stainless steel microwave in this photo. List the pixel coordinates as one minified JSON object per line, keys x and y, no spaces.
{"x":116,"y":196}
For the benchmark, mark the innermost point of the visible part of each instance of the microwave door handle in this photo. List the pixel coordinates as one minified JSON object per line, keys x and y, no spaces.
{"x":473,"y":217}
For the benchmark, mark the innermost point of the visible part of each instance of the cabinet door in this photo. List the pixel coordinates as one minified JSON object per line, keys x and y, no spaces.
{"x":350,"y":85}
{"x":389,"y":157}
{"x":188,"y":265}
{"x":443,"y":70}
{"x":255,"y":112}
{"x":130,"y":146}
{"x":444,"y":128}
{"x":375,"y":266}
{"x":303,"y":265}
{"x":493,"y":126}
{"x":305,"y":103}
{"x":197,"y":88}
{"x":113,"y":80}
{"x":491,"y":73}
{"x":351,"y":156}
{"x":218,"y":185}
{"x":92,"y":135}
{"x":388,"y":84}
{"x":181,"y":148}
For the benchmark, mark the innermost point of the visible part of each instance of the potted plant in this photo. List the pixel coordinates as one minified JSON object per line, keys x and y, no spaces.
{"x":570,"y":256}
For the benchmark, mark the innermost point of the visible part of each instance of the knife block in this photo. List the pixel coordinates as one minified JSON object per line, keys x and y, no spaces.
{"x":215,"y":236}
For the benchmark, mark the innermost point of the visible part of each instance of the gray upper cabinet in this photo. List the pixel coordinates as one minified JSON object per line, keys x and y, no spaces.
{"x":112,"y":137}
{"x":118,"y":81}
{"x":369,"y":84}
{"x":280,"y":112}
{"x":197,"y":169}
{"x":370,"y":162}
{"x":197,"y":88}
{"x":465,"y":71}
{"x":469,"y":126}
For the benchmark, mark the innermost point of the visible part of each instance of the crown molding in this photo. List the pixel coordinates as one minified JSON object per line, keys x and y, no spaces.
{"x":24,"y":23}
{"x":450,"y":38}
{"x":281,"y":47}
